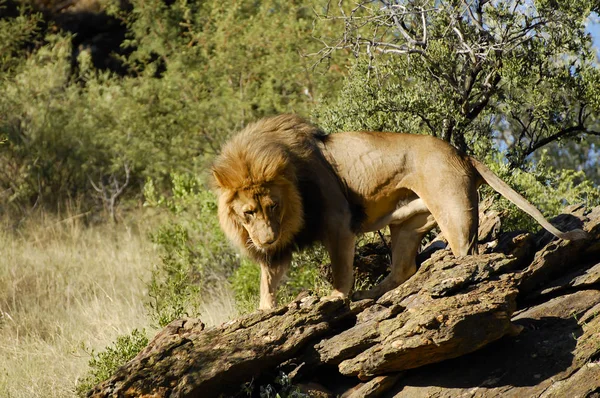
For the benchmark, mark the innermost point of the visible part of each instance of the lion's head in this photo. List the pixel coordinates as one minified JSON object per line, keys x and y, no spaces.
{"x":257,"y":188}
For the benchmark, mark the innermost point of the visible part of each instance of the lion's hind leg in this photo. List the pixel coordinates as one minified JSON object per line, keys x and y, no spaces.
{"x":406,"y":240}
{"x":458,"y":219}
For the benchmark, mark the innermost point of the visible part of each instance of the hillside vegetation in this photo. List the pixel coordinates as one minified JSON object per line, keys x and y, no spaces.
{"x":112,"y":111}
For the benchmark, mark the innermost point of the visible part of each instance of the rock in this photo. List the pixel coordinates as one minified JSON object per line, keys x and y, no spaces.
{"x":428,"y":319}
{"x":523,"y":319}
{"x":569,"y":305}
{"x":373,"y":388}
{"x":583,"y":383}
{"x":489,"y":221}
{"x":191,"y":361}
{"x":559,"y":257}
{"x":550,"y":351}
{"x":434,"y":330}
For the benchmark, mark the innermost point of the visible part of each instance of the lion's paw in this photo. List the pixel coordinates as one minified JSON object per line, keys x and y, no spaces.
{"x":366,"y":294}
{"x":334,"y":295}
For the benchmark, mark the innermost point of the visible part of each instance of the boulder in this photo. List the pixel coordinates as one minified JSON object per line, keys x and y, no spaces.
{"x":521,"y":319}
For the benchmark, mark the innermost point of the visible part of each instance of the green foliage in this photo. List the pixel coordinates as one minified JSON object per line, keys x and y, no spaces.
{"x":303,"y":275}
{"x":280,"y":388}
{"x":472,"y":73}
{"x":397,"y":98}
{"x":548,"y":189}
{"x":197,"y":72}
{"x":61,"y":135}
{"x":37,"y":151}
{"x":175,"y":284}
{"x":245,"y":282}
{"x":104,"y":363}
{"x":15,"y":35}
{"x":193,"y":249}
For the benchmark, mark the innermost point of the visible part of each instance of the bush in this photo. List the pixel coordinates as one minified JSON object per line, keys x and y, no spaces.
{"x":548,"y":189}
{"x":197,"y":72}
{"x":194,"y":249}
{"x":174,"y":289}
{"x":103,"y":364}
{"x":280,"y":387}
{"x":245,"y":282}
{"x":303,"y":275}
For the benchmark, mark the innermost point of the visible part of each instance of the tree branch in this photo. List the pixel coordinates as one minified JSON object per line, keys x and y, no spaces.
{"x":568,"y":132}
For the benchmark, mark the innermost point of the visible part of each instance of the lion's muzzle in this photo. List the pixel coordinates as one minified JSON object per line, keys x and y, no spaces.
{"x":267,"y":239}
{"x":264,"y":235}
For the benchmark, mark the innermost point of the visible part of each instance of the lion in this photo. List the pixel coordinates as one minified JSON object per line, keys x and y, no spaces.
{"x":283,"y":184}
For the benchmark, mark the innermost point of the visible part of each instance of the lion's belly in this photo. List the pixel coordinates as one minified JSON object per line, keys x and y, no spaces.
{"x":377,"y":170}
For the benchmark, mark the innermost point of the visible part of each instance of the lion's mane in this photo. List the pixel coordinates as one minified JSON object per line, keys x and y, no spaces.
{"x":282,"y":151}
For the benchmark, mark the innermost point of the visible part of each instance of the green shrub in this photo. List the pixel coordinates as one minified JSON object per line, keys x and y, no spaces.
{"x":280,"y":387}
{"x":303,"y":275}
{"x":245,"y":282}
{"x":16,"y":35}
{"x":197,"y":72}
{"x":174,"y":289}
{"x":104,"y":363}
{"x":548,"y":189}
{"x":194,"y":250}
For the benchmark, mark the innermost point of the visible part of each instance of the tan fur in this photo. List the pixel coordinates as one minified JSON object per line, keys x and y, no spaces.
{"x":283,"y":184}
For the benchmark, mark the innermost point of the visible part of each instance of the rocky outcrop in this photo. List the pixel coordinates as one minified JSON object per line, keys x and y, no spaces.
{"x":520,"y":320}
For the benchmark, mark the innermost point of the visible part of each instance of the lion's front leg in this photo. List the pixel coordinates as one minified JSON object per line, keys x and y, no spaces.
{"x":270,"y":276}
{"x":341,"y":251}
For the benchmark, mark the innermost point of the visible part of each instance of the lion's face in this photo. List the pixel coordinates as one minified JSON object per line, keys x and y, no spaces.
{"x":260,"y":204}
{"x":260,"y":212}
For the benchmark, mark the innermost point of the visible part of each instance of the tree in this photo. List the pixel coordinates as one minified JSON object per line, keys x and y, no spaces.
{"x":470,"y":71}
{"x":226,"y":64}
{"x":195,"y":73}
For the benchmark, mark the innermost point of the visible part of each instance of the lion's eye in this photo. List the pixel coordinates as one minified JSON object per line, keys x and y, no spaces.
{"x":249,"y":213}
{"x":273,"y":206}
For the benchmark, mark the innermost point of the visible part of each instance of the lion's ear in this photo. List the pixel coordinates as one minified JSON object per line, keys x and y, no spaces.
{"x":218,"y":179}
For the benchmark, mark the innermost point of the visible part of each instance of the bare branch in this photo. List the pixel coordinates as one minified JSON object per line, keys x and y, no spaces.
{"x":109,"y":196}
{"x":476,"y":21}
{"x":428,"y":123}
{"x":424,"y":23}
{"x":469,"y":50}
{"x":567,"y":132}
{"x":398,"y":23}
{"x":99,"y":190}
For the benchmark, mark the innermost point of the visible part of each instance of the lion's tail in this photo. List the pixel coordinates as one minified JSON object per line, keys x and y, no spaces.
{"x":505,"y":190}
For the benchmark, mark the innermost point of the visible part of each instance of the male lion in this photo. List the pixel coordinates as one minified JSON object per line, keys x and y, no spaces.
{"x":284,"y":184}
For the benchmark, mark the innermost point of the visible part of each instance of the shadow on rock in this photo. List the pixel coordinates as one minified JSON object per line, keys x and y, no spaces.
{"x":542,"y":350}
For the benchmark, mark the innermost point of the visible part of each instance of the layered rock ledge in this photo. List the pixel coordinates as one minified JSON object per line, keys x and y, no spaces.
{"x":520,"y":320}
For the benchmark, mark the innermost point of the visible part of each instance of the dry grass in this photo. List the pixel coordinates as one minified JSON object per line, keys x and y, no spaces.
{"x":66,"y":289}
{"x":63,"y":287}
{"x":218,"y":304}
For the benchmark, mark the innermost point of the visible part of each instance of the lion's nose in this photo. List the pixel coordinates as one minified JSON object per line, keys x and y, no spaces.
{"x":268,"y":238}
{"x":270,"y":241}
